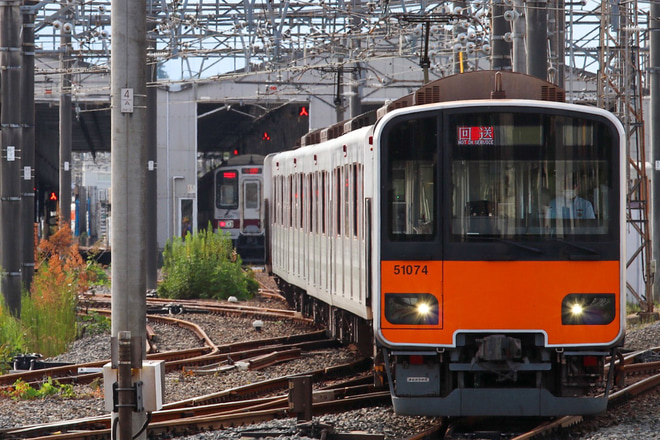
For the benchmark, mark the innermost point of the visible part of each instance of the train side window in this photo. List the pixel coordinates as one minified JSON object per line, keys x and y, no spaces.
{"x":356,"y":198}
{"x":289,"y":190}
{"x":301,"y":198}
{"x":337,"y":202}
{"x":324,"y":181}
{"x":347,"y":200}
{"x":280,"y":200}
{"x":277,"y":215}
{"x":311,"y":178}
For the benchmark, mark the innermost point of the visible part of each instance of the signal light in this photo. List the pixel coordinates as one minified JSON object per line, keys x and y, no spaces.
{"x":266,"y":136}
{"x":302,"y":111}
{"x":53,"y":196}
{"x":235,"y":152}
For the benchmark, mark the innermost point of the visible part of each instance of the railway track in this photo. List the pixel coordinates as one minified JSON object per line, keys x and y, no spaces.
{"x":263,"y":400}
{"x":244,"y":405}
{"x":266,"y":400}
{"x":258,"y":353}
{"x":644,"y":377}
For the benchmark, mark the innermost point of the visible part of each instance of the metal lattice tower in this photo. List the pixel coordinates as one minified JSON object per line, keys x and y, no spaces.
{"x":620,"y":89}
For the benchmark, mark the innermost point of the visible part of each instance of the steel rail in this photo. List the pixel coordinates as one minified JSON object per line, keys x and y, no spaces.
{"x":194,"y":415}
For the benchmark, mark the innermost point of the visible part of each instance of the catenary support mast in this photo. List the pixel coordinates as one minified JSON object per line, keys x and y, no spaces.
{"x":129,"y":181}
{"x":10,"y":187}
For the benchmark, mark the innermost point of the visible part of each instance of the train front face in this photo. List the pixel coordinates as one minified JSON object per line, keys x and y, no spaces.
{"x":238,"y":209}
{"x":500,"y":288}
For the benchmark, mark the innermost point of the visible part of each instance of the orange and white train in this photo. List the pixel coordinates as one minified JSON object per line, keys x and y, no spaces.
{"x":476,"y":245}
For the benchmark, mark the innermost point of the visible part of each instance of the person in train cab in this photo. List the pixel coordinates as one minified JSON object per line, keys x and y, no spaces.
{"x":570,"y":205}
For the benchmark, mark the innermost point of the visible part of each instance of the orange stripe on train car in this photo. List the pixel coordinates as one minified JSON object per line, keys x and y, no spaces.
{"x":500,"y":296}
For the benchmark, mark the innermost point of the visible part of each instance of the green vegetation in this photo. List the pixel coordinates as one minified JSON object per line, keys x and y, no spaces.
{"x":632,"y":308}
{"x":204,"y":265}
{"x":92,"y":323}
{"x":11,"y":338}
{"x":48,"y":322}
{"x":23,"y":391}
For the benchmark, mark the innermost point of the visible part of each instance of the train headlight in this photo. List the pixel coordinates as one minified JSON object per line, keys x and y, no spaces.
{"x":588,"y":309}
{"x":577,"y":309}
{"x":412,"y":308}
{"x":226,"y":224}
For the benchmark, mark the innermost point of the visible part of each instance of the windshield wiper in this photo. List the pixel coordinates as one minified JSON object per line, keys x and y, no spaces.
{"x":577,"y":246}
{"x":520,"y":245}
{"x":502,"y":240}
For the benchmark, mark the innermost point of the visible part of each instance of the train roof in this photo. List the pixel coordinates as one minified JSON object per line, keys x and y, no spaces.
{"x":480,"y":84}
{"x":245,"y":159}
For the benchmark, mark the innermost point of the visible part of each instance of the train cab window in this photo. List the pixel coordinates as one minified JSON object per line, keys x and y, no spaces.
{"x":411,"y":179}
{"x":529,"y":175}
{"x":227,"y":189}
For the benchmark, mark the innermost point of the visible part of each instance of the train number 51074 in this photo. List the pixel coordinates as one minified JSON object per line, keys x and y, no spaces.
{"x":410,"y":269}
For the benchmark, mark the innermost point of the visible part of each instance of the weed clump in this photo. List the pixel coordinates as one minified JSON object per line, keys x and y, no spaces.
{"x":204,"y":265}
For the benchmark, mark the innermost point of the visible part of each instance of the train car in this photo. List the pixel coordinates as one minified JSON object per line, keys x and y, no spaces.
{"x":480,"y":240}
{"x":231,"y":199}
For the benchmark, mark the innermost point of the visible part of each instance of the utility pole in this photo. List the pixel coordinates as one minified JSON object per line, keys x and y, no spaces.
{"x":536,"y":16}
{"x":355,"y":99}
{"x":151,"y":236}
{"x":27,"y":122}
{"x":500,"y":58}
{"x":519,"y":53}
{"x":10,"y":124}
{"x":129,"y":181}
{"x":66,"y":63}
{"x":654,"y":83}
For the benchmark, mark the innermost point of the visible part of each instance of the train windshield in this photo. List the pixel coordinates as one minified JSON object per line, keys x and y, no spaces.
{"x":520,"y":174}
{"x":227,"y":189}
{"x":516,"y":175}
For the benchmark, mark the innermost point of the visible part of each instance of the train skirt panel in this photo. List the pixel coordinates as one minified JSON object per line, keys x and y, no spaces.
{"x":523,"y":296}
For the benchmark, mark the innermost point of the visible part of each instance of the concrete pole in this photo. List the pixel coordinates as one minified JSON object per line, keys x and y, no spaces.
{"x":459,"y":54}
{"x":537,"y":39}
{"x":519,"y":63}
{"x":66,"y":63}
{"x":151,"y":236}
{"x":10,"y":123}
{"x":500,"y":58}
{"x":129,"y":179}
{"x":27,"y":121}
{"x":355,"y":98}
{"x":558,"y":27}
{"x":654,"y":68}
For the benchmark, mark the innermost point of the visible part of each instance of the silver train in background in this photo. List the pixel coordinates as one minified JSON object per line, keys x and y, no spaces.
{"x":231,"y":199}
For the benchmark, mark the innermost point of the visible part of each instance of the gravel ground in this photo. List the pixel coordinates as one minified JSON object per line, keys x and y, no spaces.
{"x":634,"y":419}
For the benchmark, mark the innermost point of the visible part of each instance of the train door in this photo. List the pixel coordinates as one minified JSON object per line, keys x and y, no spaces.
{"x":251,"y":208}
